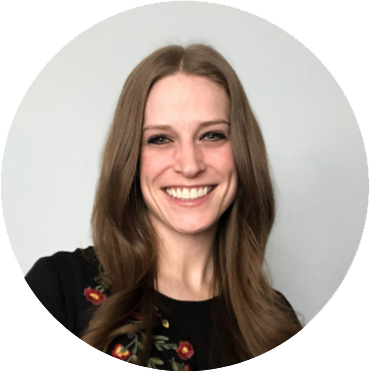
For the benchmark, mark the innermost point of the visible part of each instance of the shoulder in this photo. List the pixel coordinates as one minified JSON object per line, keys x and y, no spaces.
{"x":59,"y":282}
{"x":64,"y":266}
{"x":81,"y":257}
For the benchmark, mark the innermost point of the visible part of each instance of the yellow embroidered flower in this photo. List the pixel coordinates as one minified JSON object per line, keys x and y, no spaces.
{"x":120,"y":352}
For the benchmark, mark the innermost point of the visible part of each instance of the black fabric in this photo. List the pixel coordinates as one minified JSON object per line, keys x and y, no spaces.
{"x":60,"y":281}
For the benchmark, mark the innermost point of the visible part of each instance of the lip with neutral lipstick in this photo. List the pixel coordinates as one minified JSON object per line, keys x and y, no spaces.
{"x":189,"y":196}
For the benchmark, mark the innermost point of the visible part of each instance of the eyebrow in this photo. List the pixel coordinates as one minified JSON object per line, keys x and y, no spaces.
{"x":201,"y":125}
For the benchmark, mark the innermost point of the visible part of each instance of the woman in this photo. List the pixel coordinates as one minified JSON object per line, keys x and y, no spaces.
{"x":183,"y":211}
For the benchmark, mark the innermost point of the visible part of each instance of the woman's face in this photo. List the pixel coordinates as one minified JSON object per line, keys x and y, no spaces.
{"x":187,"y":172}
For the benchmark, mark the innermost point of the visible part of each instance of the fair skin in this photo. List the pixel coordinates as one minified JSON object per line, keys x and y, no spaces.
{"x":188,"y":179}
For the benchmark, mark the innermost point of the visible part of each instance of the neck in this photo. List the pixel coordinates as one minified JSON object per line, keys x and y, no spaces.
{"x":185,"y":263}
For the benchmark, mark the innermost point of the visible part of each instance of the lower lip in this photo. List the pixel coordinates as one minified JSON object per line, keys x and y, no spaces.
{"x":190,"y":203}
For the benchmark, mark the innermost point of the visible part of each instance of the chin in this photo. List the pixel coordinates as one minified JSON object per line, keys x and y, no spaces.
{"x":191,"y":228}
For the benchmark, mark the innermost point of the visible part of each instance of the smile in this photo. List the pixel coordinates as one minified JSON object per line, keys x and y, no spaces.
{"x":189,"y":193}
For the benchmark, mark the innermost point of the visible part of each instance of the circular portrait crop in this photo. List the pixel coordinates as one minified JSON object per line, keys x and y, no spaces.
{"x":184,"y":197}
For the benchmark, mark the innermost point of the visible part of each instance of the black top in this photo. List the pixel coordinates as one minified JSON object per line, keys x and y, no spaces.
{"x":69,"y":286}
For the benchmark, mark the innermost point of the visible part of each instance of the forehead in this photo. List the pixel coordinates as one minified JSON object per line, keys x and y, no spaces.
{"x":185,"y":98}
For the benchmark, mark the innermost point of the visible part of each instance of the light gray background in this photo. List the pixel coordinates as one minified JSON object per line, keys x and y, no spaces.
{"x":52,"y":157}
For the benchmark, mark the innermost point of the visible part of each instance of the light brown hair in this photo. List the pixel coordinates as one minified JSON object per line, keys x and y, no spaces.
{"x":250,"y":314}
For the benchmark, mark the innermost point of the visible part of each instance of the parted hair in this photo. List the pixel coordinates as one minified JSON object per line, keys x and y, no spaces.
{"x":249,"y":315}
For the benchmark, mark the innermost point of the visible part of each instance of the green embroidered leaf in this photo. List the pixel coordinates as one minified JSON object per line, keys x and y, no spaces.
{"x":158,"y":337}
{"x":160,"y":342}
{"x":132,"y":358}
{"x":140,"y":345}
{"x":151,"y":365}
{"x":156,"y":361}
{"x":174,"y":365}
{"x":99,"y":288}
{"x":158,"y":347}
{"x":177,"y":366}
{"x":130,"y":334}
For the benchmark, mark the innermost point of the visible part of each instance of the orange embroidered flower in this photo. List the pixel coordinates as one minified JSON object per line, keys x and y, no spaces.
{"x":120,"y":352}
{"x":94,"y":296}
{"x":185,"y":350}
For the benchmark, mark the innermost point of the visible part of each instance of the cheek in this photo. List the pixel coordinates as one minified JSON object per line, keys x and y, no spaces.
{"x":223,"y":160}
{"x":152,"y":165}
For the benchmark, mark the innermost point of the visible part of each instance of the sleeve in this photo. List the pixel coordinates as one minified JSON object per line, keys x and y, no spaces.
{"x":44,"y":281}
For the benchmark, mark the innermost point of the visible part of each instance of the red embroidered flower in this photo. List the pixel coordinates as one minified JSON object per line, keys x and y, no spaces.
{"x":188,"y":367}
{"x":120,"y":352}
{"x":185,"y":350}
{"x":94,"y":296}
{"x":137,"y":316}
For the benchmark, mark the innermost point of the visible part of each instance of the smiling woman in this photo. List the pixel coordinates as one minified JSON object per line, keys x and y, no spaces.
{"x":188,"y":179}
{"x":182,"y":214}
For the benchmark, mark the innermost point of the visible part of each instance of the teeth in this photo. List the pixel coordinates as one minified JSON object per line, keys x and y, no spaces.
{"x":185,"y":194}
{"x":189,"y":194}
{"x":193,"y":194}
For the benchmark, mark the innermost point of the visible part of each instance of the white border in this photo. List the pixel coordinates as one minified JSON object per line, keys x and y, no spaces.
{"x":33,"y":32}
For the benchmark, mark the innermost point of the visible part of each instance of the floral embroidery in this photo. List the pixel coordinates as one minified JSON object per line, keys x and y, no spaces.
{"x":128,"y":352}
{"x":98,"y":295}
{"x":121,"y":352}
{"x":137,"y":315}
{"x":152,"y":362}
{"x":179,"y":366}
{"x":185,"y":350}
{"x":160,"y":343}
{"x":136,"y":342}
{"x":94,"y":296}
{"x":102,"y":286}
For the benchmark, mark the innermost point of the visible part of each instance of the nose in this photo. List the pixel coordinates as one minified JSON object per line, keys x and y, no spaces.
{"x":189,"y":159}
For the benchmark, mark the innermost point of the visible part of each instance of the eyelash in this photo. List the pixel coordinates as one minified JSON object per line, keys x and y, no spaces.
{"x":153,"y":140}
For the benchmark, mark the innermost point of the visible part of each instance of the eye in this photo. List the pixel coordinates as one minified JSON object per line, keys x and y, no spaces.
{"x":158,"y":140}
{"x":213,"y":136}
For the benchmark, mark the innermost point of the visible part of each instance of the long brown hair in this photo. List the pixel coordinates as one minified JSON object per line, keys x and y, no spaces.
{"x":254,"y":316}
